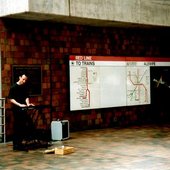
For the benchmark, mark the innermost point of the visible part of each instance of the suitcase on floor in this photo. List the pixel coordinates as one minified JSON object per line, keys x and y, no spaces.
{"x":60,"y":130}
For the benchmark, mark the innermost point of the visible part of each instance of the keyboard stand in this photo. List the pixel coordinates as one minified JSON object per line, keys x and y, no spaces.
{"x":36,"y":137}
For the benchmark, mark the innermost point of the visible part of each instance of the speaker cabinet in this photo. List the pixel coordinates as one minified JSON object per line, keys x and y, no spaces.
{"x":60,"y":130}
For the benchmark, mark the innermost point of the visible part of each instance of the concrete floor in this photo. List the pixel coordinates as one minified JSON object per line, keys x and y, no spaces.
{"x":133,"y":148}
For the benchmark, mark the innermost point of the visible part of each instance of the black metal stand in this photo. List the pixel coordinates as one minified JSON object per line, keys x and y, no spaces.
{"x":36,"y":137}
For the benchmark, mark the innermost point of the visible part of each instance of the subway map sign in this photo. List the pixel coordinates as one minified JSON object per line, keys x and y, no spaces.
{"x":102,"y":81}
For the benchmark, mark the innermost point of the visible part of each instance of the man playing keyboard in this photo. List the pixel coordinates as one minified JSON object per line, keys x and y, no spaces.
{"x":19,"y":97}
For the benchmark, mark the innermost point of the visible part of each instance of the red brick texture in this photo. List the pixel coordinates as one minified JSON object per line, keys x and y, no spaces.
{"x":49,"y":44}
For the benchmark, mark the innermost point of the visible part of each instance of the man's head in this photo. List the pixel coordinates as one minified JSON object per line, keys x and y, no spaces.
{"x":22,"y":79}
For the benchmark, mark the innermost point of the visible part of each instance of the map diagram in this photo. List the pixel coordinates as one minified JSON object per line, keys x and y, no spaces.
{"x":138,"y":85}
{"x":86,"y":85}
{"x":87,"y":79}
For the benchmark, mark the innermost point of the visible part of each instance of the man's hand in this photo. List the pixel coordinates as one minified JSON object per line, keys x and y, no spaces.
{"x":30,"y":104}
{"x":22,"y":105}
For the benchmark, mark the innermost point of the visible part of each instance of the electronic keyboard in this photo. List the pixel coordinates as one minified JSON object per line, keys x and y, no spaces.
{"x":36,"y":107}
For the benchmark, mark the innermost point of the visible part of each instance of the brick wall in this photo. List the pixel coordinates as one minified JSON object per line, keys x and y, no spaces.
{"x":49,"y":44}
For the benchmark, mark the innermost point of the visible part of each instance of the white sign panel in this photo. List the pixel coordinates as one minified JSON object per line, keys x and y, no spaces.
{"x":102,"y":82}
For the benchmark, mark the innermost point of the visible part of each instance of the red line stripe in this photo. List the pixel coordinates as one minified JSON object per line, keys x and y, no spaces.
{"x":119,"y":58}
